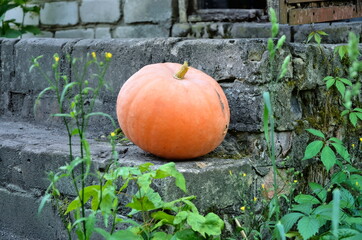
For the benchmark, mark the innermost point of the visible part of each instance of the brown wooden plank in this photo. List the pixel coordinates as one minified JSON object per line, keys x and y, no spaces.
{"x":305,"y":1}
{"x":325,"y":14}
{"x":283,"y":14}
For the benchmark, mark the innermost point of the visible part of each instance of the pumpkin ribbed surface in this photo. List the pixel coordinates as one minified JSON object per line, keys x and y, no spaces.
{"x":173,"y":118}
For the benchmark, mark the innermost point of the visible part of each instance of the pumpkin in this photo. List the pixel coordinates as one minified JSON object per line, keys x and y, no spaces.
{"x":173,"y":116}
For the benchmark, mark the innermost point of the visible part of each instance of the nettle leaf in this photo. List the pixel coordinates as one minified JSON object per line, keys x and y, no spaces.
{"x":347,"y":199}
{"x":340,"y":87}
{"x":316,"y":132}
{"x":313,"y":149}
{"x":353,"y":118}
{"x":305,"y":208}
{"x":328,"y":157}
{"x":290,"y":219}
{"x":323,"y":213}
{"x":304,"y":198}
{"x":308,"y":226}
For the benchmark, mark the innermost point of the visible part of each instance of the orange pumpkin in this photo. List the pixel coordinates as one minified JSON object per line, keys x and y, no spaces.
{"x":174,"y":116}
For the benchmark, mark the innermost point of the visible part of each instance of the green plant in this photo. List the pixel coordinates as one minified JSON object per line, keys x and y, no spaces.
{"x":319,"y":215}
{"x":95,"y":207}
{"x":12,"y":29}
{"x":317,"y":36}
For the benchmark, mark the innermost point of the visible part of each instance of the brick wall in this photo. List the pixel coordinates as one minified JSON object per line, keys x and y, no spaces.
{"x":104,"y":19}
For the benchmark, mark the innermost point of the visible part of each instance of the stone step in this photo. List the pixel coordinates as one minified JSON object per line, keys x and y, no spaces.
{"x":28,"y":151}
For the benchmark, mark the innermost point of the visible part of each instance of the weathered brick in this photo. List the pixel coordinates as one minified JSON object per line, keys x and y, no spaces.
{"x":75,"y":33}
{"x":140,"y":31}
{"x":103,"y":33}
{"x":147,"y":11}
{"x":60,"y":13}
{"x":17,"y":14}
{"x":105,"y":11}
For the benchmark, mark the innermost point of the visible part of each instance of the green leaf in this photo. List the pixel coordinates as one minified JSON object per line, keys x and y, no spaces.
{"x":359,"y":115}
{"x":32,"y":29}
{"x":169,"y":169}
{"x":145,"y":167}
{"x":290,"y":219}
{"x":317,"y":38}
{"x":316,"y":133}
{"x":328,"y":157}
{"x":161,"y":236}
{"x":102,"y":114}
{"x":336,"y":140}
{"x":340,"y":87}
{"x":330,"y":83}
{"x":310,"y":36}
{"x":347,"y":199}
{"x":160,"y":215}
{"x":304,"y":198}
{"x":345,"y":81}
{"x":353,"y":118}
{"x":126,"y":235}
{"x":342,"y":151}
{"x":186,"y":234}
{"x":356,"y":180}
{"x":322,"y":33}
{"x":305,"y":208}
{"x":338,"y":178}
{"x":308,"y":226}
{"x":180,"y":217}
{"x":312,"y":149}
{"x":318,"y":190}
{"x":344,"y":112}
{"x":211,"y":224}
{"x":44,"y":200}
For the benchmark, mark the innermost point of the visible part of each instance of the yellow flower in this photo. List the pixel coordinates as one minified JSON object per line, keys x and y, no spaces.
{"x":108,"y":55}
{"x":360,"y":139}
{"x":244,"y":174}
{"x":255,"y":199}
{"x":242,"y":208}
{"x":353,"y":145}
{"x":56,"y":58}
{"x":94,"y":55}
{"x":263,"y":186}
{"x":113,"y":134}
{"x":357,"y":183}
{"x":295,"y":181}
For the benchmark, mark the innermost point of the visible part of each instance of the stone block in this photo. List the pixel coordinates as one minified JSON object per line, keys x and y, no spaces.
{"x":59,"y":13}
{"x":19,"y":215}
{"x":100,"y":11}
{"x":75,"y":33}
{"x":103,"y":33}
{"x":258,"y":30}
{"x":180,"y":30}
{"x":43,"y":34}
{"x":141,"y":31}
{"x":148,"y":11}
{"x":17,"y":14}
{"x":337,"y":32}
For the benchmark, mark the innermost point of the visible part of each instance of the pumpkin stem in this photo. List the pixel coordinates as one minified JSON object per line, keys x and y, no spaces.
{"x":183,"y":70}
